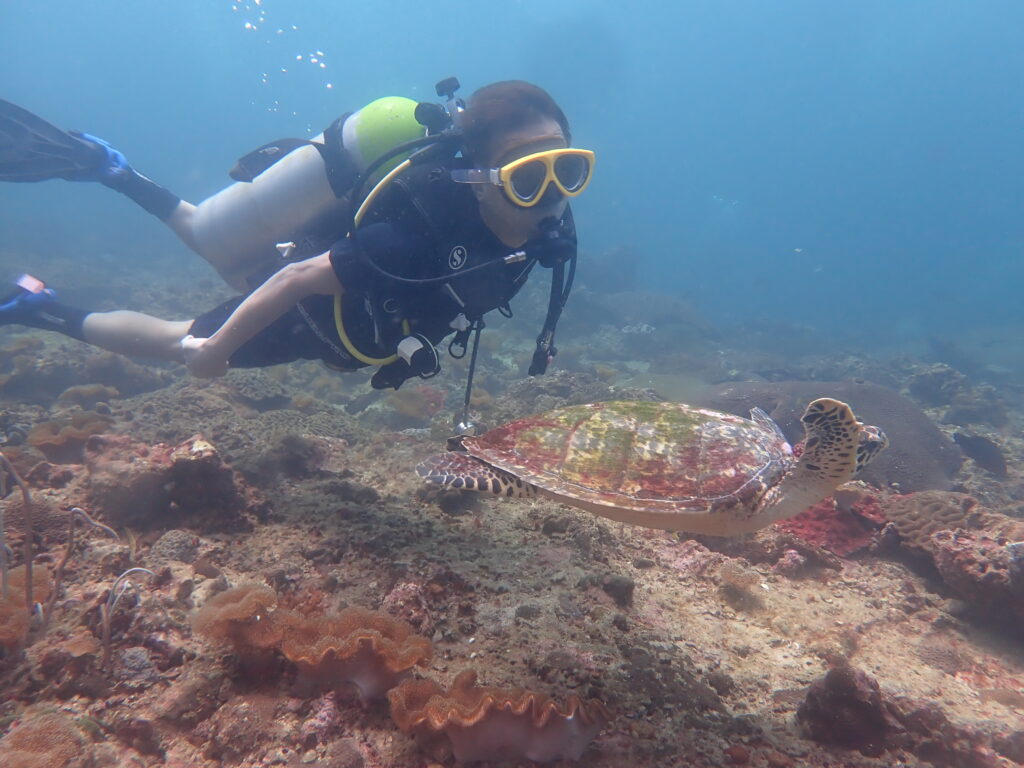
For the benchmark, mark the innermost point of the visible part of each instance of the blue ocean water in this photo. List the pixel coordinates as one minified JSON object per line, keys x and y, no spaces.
{"x":851,"y":166}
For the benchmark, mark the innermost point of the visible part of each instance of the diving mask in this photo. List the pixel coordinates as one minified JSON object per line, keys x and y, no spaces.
{"x":526,"y":179}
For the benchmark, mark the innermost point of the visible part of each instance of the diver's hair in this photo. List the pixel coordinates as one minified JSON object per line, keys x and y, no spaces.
{"x":505,"y":106}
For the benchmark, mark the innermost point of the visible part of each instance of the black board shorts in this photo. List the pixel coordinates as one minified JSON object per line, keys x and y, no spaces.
{"x":289,"y":338}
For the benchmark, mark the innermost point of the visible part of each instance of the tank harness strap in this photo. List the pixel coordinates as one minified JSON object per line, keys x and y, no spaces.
{"x":341,"y":168}
{"x":338,"y":164}
{"x":250,"y":166}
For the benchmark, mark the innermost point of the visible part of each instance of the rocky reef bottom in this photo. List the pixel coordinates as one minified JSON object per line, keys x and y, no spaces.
{"x":246,"y":572}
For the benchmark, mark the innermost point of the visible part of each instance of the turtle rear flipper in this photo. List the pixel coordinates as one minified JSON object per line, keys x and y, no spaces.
{"x":831,"y":453}
{"x":461,"y":471}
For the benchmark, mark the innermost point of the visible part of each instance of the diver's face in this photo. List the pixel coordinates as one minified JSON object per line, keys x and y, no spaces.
{"x":514,"y":224}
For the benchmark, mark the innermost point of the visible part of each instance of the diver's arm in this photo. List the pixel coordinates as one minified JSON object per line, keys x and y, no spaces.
{"x":209,"y":357}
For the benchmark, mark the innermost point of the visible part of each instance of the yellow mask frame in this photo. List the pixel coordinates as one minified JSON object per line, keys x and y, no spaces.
{"x":569,"y":169}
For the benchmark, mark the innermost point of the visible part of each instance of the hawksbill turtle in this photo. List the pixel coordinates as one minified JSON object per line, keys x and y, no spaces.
{"x":664,"y":465}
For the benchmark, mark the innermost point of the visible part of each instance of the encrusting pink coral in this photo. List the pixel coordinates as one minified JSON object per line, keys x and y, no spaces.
{"x":475,"y":722}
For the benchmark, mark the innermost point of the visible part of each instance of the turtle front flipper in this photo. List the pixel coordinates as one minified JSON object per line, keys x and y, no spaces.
{"x":836,"y":447}
{"x":463,"y":472}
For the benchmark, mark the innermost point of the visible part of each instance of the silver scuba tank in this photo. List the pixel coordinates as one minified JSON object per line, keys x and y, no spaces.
{"x":237,"y":229}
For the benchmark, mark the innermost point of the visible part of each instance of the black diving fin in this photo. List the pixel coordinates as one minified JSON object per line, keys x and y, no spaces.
{"x":32,"y":149}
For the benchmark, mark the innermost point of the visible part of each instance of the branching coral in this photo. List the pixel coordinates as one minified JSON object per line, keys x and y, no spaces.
{"x":485,"y":723}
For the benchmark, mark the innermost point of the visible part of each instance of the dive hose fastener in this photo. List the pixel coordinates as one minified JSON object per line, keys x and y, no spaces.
{"x":420,"y":355}
{"x":460,"y":323}
{"x":408,"y":347}
{"x":465,"y":426}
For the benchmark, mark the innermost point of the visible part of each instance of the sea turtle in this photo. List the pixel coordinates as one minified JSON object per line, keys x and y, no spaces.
{"x":664,"y":465}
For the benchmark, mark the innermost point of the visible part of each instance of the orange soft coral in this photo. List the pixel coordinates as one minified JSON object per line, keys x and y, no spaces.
{"x":49,"y":740}
{"x":61,"y":440}
{"x":369,"y":649}
{"x":499,"y":724}
{"x":15,"y":620}
{"x":242,"y":616}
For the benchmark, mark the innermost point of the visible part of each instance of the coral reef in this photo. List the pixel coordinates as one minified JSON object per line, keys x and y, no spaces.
{"x":368,"y":649}
{"x":916,"y":516}
{"x":47,"y":740}
{"x":62,"y":440}
{"x":847,"y":708}
{"x":241,"y":616}
{"x":87,"y":396}
{"x":499,"y":724}
{"x":36,"y":373}
{"x":984,"y":452}
{"x":705,"y":648}
{"x":15,"y":620}
{"x":986,"y":572}
{"x":146,"y":486}
{"x":841,"y":529}
{"x":256,"y":389}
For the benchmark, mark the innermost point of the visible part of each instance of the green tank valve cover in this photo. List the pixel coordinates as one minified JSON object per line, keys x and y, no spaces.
{"x":379,"y":127}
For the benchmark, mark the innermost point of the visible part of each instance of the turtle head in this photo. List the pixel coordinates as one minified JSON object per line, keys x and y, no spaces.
{"x":872,"y":441}
{"x":835,"y":448}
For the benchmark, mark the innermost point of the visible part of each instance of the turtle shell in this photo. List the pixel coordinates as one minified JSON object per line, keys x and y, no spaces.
{"x":644,"y":456}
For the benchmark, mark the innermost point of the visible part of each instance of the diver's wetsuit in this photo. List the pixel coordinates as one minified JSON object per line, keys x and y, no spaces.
{"x":424,"y":226}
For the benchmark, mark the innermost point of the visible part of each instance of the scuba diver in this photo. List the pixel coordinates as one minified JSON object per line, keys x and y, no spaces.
{"x":398,"y":226}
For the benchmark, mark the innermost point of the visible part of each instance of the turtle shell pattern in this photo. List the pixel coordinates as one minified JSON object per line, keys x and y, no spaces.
{"x":640,"y":455}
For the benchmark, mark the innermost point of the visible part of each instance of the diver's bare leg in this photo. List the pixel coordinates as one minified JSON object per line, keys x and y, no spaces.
{"x":180,"y":223}
{"x":234,"y":268}
{"x":136,"y":334}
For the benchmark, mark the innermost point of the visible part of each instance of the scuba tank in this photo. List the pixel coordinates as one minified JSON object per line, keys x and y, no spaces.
{"x":288,"y":189}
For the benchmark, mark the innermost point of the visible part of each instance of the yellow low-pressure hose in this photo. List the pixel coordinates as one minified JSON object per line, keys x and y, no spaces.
{"x":339,"y":323}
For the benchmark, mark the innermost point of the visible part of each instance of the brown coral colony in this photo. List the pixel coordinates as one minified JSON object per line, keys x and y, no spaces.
{"x":487,"y":723}
{"x":370,"y":650}
{"x":375,"y":653}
